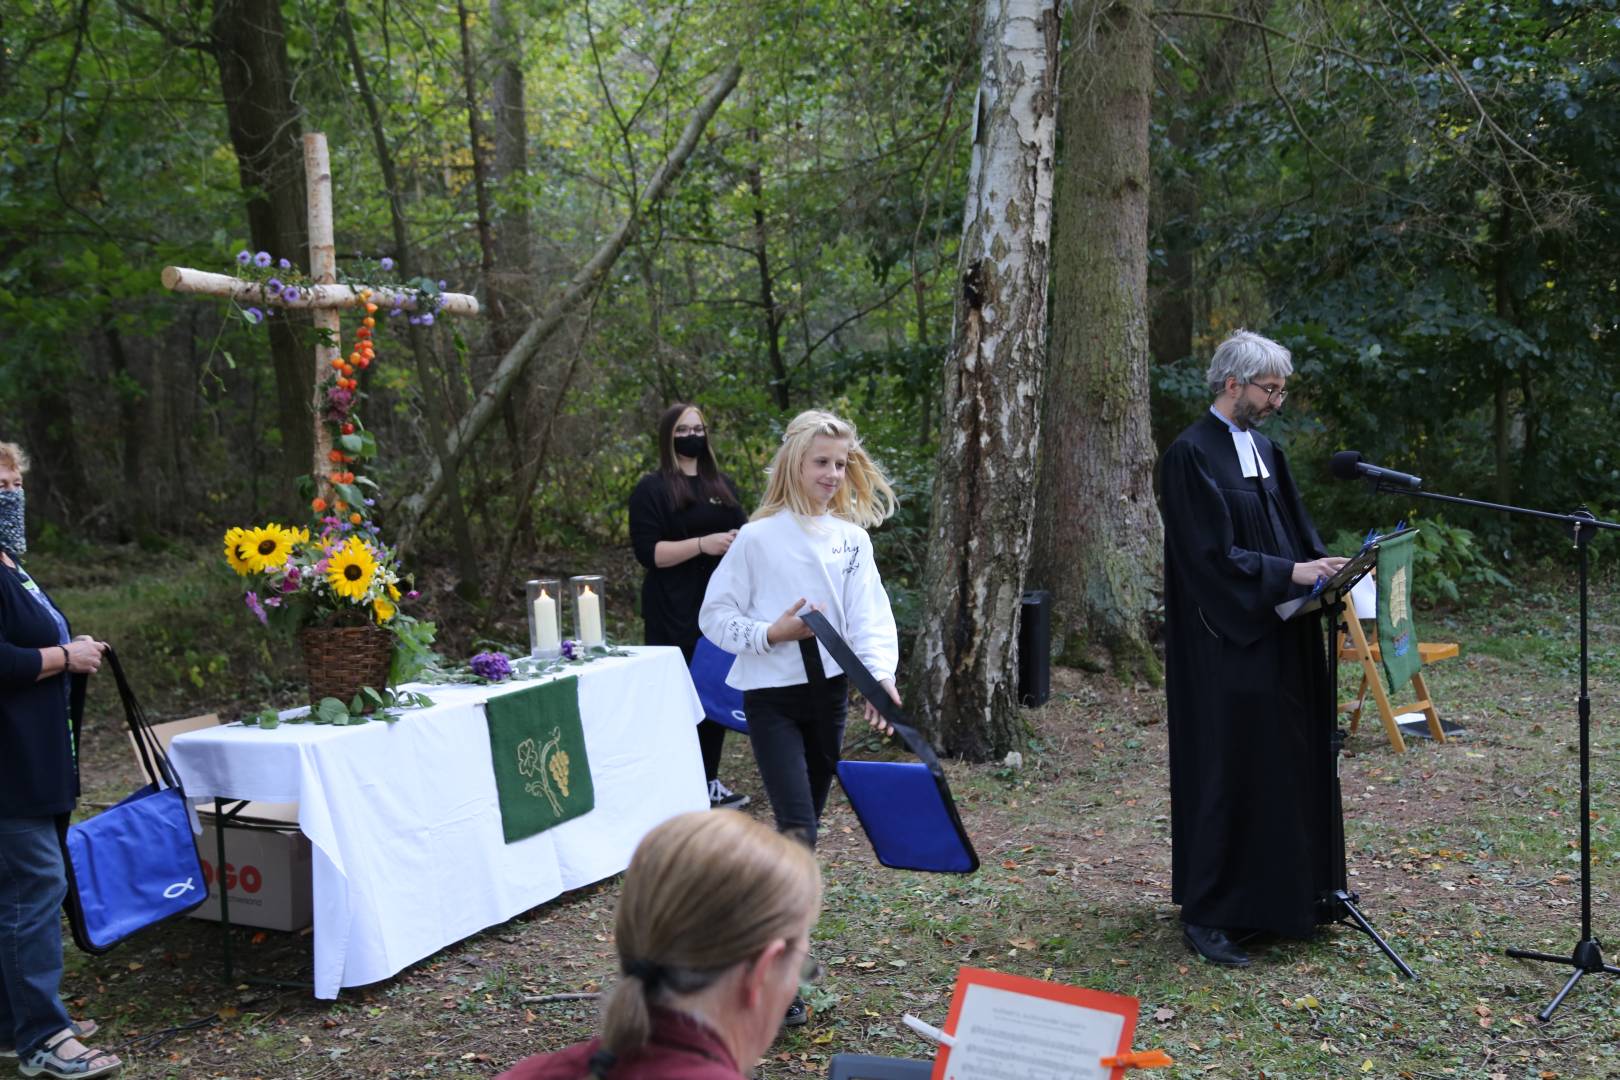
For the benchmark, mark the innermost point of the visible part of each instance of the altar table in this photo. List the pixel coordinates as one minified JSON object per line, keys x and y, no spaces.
{"x":403,"y":819}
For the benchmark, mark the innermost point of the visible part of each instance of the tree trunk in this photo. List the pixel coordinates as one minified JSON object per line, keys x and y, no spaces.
{"x":984,"y":487}
{"x":781,"y":384}
{"x":250,"y":45}
{"x":507,"y":282}
{"x":415,"y":507}
{"x":466,"y":554}
{"x":1098,"y":539}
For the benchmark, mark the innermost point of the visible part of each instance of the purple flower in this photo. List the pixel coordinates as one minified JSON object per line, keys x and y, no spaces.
{"x":441,"y":284}
{"x":253,"y":315}
{"x":396,"y":313}
{"x":272,"y":601}
{"x":491,"y":666}
{"x":427,"y":318}
{"x":416,"y":320}
{"x":274,"y":284}
{"x":386,"y":263}
{"x":284,"y":264}
{"x":369,"y":502}
{"x":412,"y":595}
{"x":244,"y":257}
{"x":253,"y":605}
{"x":320,"y":568}
{"x":290,"y":582}
{"x":573,"y":650}
{"x":290,"y":293}
{"x":262,"y":259}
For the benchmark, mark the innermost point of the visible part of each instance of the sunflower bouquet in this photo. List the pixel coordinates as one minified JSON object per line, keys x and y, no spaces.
{"x":343,"y":576}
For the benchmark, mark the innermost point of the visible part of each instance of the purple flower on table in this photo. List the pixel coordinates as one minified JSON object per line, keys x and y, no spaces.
{"x":244,"y":257}
{"x":573,"y":650}
{"x":262,"y":259}
{"x":253,"y":605}
{"x":253,"y":315}
{"x":386,"y":263}
{"x":284,"y":264}
{"x":493,"y":666}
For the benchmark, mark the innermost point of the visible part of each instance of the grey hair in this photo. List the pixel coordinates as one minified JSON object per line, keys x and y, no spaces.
{"x":1246,"y":356}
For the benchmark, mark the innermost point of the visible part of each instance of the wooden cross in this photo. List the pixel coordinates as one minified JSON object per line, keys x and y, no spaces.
{"x":325,"y":298}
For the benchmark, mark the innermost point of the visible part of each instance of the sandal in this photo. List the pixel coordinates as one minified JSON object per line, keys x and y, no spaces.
{"x":88,"y":1062}
{"x":82,"y":1029}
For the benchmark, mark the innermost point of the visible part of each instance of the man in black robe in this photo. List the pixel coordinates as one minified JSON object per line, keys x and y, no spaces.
{"x":1252,"y":806}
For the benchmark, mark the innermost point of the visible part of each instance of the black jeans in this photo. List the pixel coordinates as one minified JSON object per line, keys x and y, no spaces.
{"x":798,"y":733}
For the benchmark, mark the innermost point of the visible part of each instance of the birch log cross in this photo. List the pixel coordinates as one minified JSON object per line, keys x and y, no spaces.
{"x":325,"y":298}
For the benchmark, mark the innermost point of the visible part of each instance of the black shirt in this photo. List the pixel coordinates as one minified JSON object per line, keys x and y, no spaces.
{"x":38,"y":776}
{"x":672,"y":595}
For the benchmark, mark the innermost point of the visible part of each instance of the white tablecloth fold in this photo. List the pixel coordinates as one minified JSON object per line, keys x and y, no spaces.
{"x":404,"y":820}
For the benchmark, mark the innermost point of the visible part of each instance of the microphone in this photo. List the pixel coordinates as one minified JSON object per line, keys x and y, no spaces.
{"x":1347,"y":465}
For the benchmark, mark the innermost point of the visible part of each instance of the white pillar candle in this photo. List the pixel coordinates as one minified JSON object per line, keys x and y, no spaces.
{"x":547,"y":637}
{"x":590,"y":617}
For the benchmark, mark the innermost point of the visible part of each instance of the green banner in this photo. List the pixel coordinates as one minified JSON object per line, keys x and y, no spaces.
{"x":537,"y":747}
{"x":1397,"y":637}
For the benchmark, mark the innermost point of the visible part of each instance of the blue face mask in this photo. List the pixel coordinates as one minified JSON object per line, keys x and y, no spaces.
{"x":12,"y":538}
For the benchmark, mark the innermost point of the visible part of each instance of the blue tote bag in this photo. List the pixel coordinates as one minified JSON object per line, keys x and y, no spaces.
{"x":721,"y":703}
{"x":905,"y":807}
{"x":134,"y":864}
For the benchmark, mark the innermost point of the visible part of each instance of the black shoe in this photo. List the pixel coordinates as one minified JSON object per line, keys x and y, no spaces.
{"x":797,"y":1015}
{"x":1213,"y":945}
{"x":723,"y":798}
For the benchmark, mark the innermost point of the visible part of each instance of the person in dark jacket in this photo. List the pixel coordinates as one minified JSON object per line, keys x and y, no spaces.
{"x":42,"y":670}
{"x":713,"y":934}
{"x":682,"y":519}
{"x":1250,"y":704}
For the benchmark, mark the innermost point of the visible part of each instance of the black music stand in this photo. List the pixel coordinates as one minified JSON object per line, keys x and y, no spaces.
{"x":1339,"y":904}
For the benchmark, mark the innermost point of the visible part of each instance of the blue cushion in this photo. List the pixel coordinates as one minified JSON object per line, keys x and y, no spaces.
{"x":906,"y":816}
{"x":721,"y":703}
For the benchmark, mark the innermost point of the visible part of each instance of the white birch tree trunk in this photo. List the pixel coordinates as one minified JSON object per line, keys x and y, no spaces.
{"x":984,"y":482}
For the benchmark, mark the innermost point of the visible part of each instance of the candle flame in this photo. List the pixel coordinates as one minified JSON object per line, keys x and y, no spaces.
{"x":587,"y":591}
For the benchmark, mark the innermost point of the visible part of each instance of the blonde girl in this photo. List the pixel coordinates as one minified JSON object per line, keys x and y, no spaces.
{"x":807,"y":543}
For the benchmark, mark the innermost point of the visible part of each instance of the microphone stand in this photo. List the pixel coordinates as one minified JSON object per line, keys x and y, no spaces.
{"x":1587,"y":956}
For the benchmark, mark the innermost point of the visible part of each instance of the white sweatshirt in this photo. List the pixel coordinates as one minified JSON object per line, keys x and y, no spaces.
{"x":775,"y":561}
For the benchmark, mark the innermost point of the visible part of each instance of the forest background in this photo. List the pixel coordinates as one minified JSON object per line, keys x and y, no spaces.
{"x":1417,"y":197}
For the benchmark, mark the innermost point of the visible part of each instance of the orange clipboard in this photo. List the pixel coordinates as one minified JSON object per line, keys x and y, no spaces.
{"x":1126,"y":1008}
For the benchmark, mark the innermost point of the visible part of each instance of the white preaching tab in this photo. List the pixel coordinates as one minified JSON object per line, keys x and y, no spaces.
{"x":1249,"y":455}
{"x":1005,"y":1035}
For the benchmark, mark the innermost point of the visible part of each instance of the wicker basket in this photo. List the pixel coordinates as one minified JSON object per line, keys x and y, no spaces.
{"x":339,"y":660}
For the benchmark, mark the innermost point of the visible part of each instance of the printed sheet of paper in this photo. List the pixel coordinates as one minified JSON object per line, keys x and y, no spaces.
{"x":1008,"y":1027}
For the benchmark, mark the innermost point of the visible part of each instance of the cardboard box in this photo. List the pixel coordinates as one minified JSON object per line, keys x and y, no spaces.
{"x":267,"y":877}
{"x":267,"y":871}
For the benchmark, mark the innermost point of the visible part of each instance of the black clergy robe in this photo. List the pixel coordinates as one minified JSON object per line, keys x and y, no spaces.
{"x":1253,"y":801}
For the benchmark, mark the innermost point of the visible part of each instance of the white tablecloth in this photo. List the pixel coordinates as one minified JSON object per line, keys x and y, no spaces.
{"x":405,"y":825}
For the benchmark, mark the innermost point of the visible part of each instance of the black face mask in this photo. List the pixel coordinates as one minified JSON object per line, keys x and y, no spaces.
{"x":691,"y":446}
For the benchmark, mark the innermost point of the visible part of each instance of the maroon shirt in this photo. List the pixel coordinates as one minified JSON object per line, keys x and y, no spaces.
{"x":680,"y":1048}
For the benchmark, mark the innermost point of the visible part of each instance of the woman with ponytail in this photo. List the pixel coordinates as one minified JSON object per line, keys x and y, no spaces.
{"x":713,"y":934}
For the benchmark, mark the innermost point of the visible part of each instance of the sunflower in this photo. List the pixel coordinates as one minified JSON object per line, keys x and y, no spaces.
{"x":349,"y":571}
{"x":236,"y":550}
{"x":383,"y":608}
{"x":267,"y":548}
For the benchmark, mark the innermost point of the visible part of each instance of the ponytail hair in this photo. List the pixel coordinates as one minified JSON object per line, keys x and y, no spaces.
{"x":704,"y":893}
{"x":865,"y":497}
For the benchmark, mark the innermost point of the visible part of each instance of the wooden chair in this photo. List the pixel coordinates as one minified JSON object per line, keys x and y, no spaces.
{"x":1356,"y":647}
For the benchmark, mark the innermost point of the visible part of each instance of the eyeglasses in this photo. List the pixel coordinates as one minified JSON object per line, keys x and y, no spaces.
{"x":684,"y":429}
{"x":1273,"y":393}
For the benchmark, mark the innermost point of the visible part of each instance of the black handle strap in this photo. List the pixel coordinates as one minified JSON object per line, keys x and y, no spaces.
{"x":154,"y":761}
{"x":872,"y":690}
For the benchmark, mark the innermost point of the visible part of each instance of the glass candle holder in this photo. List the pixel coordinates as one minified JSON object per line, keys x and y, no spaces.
{"x":544,"y":602}
{"x":588,"y":623}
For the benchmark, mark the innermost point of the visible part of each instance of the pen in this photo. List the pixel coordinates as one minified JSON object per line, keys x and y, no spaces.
{"x":927,"y":1030}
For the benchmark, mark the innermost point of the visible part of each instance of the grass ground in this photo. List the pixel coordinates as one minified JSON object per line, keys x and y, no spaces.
{"x":1457,"y":851}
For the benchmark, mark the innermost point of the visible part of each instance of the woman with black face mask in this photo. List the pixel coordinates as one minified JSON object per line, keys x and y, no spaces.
{"x":682,"y":519}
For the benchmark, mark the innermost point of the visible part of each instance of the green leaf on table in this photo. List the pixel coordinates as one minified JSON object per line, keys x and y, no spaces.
{"x":331,"y":711}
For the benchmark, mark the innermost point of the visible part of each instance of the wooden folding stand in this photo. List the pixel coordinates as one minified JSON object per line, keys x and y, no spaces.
{"x":1354,"y":646}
